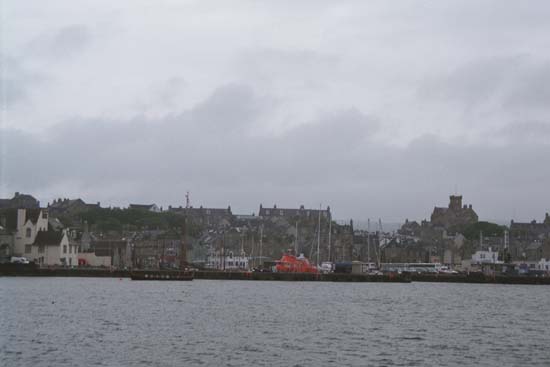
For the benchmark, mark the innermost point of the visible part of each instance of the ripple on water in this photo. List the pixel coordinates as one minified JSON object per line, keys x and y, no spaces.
{"x":108,"y":322}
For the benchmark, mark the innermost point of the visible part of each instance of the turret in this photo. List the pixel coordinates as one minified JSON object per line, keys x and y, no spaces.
{"x":455,"y":202}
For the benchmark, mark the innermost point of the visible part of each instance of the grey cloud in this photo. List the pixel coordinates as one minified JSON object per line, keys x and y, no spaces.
{"x":326,"y":102}
{"x":525,"y":132}
{"x":63,"y":43}
{"x":532,"y":90}
{"x":333,"y":160}
{"x":474,"y":83}
{"x":16,"y":81}
{"x":229,"y":108}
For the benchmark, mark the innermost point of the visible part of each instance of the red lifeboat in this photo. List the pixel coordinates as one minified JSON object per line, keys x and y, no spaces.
{"x":292,"y":264}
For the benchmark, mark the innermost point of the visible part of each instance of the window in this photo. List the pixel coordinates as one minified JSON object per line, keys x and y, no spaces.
{"x":28,"y":249}
{"x":41,"y":249}
{"x":281,"y":212}
{"x":44,"y":215}
{"x":70,"y":249}
{"x":64,"y":249}
{"x":29,"y":232}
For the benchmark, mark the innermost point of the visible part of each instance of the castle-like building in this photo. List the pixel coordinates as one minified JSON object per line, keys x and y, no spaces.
{"x":454,"y":215}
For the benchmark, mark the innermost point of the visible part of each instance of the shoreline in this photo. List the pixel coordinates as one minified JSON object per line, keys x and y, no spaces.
{"x":10,"y":270}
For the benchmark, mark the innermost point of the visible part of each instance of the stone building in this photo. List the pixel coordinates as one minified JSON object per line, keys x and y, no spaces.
{"x":209,"y":217}
{"x":530,"y":240}
{"x":301,"y":212}
{"x":70,"y":206}
{"x":118,"y":250}
{"x":20,"y":201}
{"x":455,"y":215}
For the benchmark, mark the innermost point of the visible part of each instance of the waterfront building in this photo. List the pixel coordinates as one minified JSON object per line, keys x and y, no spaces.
{"x":53,"y":248}
{"x":217,"y":261}
{"x":485,"y":257}
{"x":29,"y":223}
{"x":6,"y":241}
{"x":116,"y":249}
{"x":544,"y":265}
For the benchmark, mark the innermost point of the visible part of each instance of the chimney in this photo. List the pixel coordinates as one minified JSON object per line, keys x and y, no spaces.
{"x":21,"y":213}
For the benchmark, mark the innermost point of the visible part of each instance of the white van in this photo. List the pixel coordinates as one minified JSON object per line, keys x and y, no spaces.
{"x":19,"y":260}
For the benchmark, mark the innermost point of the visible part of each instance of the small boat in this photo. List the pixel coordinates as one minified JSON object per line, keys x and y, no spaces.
{"x":161,"y":275}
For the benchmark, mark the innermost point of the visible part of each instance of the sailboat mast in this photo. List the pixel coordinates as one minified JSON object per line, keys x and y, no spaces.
{"x":261,"y":241}
{"x":319,"y":234}
{"x":329,"y":236}
{"x":368,"y":240}
{"x":296,"y":241}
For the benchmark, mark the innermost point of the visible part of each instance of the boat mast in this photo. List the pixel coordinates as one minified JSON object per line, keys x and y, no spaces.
{"x":296,"y":241}
{"x":368,"y":240}
{"x":261,"y":241}
{"x":319,"y":234}
{"x":183,"y":251}
{"x":329,"y":236}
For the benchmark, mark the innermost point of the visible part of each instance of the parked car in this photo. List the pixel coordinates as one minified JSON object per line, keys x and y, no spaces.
{"x":19,"y":260}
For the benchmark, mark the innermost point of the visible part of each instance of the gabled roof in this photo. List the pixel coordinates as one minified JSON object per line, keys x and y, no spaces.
{"x":32,"y":215}
{"x":48,"y":238}
{"x":8,"y":219}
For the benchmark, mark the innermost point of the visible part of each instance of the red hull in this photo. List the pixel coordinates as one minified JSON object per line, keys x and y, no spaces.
{"x":293,"y":264}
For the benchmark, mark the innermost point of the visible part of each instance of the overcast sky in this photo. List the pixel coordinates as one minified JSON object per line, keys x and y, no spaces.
{"x":376,"y":108}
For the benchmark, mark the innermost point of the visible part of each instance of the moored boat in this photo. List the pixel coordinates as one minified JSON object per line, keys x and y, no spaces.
{"x":292,"y":264}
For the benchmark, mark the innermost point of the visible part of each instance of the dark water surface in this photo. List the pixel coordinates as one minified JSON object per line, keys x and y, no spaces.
{"x":112,"y":322}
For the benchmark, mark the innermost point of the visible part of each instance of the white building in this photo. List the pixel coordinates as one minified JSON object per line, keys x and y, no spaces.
{"x":229,"y":262}
{"x":29,"y":223}
{"x":53,"y":248}
{"x":36,"y":241}
{"x":486,"y":257}
{"x":544,"y":265}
